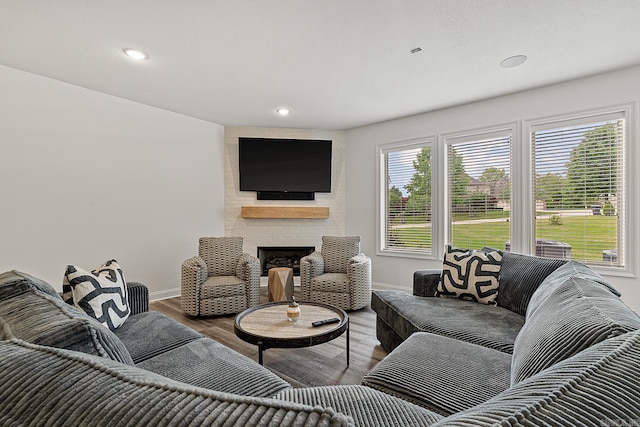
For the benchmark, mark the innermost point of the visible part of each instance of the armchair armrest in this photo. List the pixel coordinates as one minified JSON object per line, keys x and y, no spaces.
{"x":193,"y":274}
{"x":315,"y":262}
{"x":359,"y":265}
{"x":137,"y":297}
{"x":248,"y":269}
{"x":359,"y":274}
{"x":425,"y":282}
{"x":247,"y":264}
{"x":310,"y":266}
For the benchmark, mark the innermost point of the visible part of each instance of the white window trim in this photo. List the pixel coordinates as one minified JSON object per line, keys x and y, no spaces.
{"x":460,"y":137}
{"x":382,"y":149}
{"x":630,"y":204}
{"x":521,"y":213}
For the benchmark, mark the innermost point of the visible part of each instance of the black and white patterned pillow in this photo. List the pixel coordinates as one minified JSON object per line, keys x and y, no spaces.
{"x":470,"y":275}
{"x":101,"y":293}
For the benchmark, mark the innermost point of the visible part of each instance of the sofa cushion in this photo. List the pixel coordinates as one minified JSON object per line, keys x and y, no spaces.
{"x":442,"y":374}
{"x":337,"y":250}
{"x":207,"y":363}
{"x":547,"y":288}
{"x":151,"y":333}
{"x":485,"y":325}
{"x":574,"y":313}
{"x":369,"y":407}
{"x":520,"y":276}
{"x":101,"y":293}
{"x":12,"y":276}
{"x":470,"y":275}
{"x":70,"y":388}
{"x":599,"y":386}
{"x":31,"y":315}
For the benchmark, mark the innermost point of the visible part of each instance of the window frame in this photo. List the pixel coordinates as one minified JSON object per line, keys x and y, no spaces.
{"x":629,"y":253}
{"x":381,"y":196}
{"x":481,"y":133}
{"x":522,"y":230}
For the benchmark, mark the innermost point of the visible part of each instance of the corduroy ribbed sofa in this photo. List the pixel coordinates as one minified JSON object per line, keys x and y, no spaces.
{"x":559,"y":349}
{"x":575,"y":361}
{"x":59,"y":366}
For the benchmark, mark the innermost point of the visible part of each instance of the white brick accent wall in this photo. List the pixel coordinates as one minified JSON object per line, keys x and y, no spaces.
{"x":283,"y":232}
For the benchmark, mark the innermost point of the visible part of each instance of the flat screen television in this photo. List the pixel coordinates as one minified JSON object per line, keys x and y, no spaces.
{"x":281,"y":165}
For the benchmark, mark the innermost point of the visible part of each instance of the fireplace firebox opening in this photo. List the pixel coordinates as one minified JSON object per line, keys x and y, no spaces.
{"x":282,"y":256}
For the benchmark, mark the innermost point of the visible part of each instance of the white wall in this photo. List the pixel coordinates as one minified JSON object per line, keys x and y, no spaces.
{"x":283,"y":232}
{"x":605,"y":90}
{"x":85,"y":177}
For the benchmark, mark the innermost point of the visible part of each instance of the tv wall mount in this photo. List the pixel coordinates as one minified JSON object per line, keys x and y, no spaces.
{"x":286,"y":195}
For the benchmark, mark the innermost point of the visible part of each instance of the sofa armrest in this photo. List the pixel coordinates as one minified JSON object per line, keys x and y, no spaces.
{"x":425,"y":282}
{"x":137,"y":297}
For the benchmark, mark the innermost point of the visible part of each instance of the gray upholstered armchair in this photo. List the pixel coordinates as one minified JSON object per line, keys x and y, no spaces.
{"x":221,"y":279}
{"x":338,"y":274}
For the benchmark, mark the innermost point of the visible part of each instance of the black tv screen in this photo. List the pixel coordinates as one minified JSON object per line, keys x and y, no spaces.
{"x":285,"y":165}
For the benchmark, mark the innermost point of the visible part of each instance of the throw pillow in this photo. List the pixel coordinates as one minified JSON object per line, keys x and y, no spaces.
{"x":470,"y":275}
{"x":101,"y":293}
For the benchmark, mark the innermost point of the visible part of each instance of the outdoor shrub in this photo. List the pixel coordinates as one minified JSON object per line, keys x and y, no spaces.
{"x":608,"y":209}
{"x":555,"y":219}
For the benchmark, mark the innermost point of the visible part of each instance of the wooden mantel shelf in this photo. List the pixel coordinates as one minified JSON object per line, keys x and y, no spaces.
{"x":313,"y":212}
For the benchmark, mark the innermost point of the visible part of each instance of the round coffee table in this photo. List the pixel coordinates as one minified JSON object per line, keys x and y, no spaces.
{"x":267,"y":326}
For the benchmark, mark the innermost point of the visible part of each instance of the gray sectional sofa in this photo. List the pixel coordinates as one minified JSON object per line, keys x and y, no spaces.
{"x":559,"y":349}
{"x":59,"y":366}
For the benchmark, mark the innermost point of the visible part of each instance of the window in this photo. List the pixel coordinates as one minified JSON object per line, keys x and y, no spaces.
{"x":578,"y":188}
{"x":479,"y":189}
{"x":406,"y":175}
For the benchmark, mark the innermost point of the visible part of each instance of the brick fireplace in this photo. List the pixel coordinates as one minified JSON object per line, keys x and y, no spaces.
{"x":287,"y":232}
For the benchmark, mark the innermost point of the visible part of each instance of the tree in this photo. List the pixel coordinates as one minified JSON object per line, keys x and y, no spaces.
{"x":419,"y":188}
{"x":492,"y":175}
{"x":458,"y":178}
{"x":549,"y":187}
{"x":592,"y":167}
{"x":395,"y":202}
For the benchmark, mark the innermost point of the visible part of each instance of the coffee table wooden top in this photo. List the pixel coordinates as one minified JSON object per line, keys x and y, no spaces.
{"x":267,"y":325}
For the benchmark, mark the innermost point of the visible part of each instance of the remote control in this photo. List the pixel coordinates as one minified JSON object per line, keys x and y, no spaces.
{"x":325,"y":322}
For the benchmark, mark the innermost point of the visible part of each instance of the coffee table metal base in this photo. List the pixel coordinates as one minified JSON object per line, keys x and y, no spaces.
{"x":267,"y":326}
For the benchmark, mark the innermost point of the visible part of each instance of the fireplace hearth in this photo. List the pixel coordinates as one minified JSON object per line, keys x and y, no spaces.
{"x":282,"y":256}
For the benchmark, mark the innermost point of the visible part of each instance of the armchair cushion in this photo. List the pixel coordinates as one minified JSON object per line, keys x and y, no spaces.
{"x":221,"y":254}
{"x":330,"y":282}
{"x":337,"y":251}
{"x":222,"y":286}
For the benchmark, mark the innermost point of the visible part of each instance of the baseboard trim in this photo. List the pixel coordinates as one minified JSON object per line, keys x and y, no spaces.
{"x":390,"y":287}
{"x":168,"y":293}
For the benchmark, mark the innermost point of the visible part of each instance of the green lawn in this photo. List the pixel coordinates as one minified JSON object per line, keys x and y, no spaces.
{"x":600,"y":229}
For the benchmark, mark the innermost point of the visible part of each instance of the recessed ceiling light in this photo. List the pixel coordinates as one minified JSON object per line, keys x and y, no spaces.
{"x":283,"y":111}
{"x":513,"y":61}
{"x":135,"y":54}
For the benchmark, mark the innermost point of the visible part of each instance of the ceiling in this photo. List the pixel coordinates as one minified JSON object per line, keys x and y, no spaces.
{"x":337,"y":64}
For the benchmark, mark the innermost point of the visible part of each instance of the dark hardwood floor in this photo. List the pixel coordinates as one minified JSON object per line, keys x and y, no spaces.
{"x":323,"y":364}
